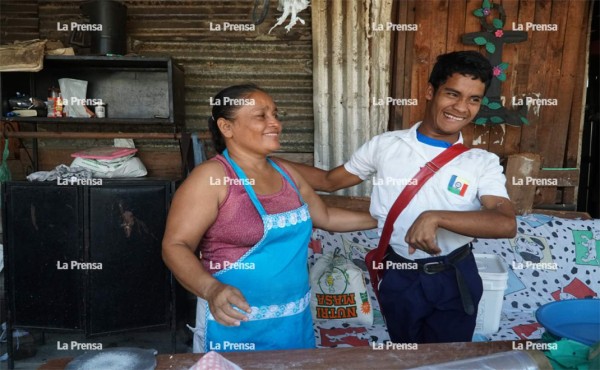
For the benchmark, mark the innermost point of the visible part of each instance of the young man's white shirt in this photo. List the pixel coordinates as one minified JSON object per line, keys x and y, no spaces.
{"x":393,"y":158}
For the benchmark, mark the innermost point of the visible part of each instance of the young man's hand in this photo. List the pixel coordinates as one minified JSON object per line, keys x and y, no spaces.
{"x":422,"y":234}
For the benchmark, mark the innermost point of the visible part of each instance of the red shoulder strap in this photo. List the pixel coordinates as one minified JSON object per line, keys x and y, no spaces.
{"x":407,"y":194}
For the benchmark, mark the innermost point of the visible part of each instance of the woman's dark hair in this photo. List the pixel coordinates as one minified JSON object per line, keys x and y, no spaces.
{"x":467,"y":63}
{"x":224,"y":105}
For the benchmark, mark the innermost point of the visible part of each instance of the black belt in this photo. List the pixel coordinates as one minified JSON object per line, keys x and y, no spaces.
{"x":434,"y":265}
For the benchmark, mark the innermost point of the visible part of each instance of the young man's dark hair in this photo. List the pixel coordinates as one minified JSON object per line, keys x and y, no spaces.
{"x":467,"y":63}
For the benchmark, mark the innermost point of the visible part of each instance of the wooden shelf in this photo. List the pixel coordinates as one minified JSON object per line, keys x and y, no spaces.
{"x":144,"y":98}
{"x":120,"y":62}
{"x":96,"y":121}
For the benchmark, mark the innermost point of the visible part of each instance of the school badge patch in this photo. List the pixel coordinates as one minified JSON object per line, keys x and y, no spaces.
{"x":457,"y":185}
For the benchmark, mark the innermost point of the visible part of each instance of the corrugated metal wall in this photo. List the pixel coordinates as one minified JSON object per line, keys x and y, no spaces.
{"x":351,"y":69}
{"x":18,"y":20}
{"x":279,"y":62}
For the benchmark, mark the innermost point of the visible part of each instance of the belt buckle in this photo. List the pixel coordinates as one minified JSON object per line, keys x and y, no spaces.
{"x":427,"y":265}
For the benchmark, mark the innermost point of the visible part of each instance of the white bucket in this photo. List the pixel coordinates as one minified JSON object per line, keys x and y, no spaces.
{"x":494,"y":274}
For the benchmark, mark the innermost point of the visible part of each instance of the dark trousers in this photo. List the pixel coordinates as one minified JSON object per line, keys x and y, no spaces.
{"x":427,"y":308}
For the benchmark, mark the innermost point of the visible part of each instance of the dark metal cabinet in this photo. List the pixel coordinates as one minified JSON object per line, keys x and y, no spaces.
{"x":87,"y":258}
{"x":125,"y":234}
{"x":44,"y":225}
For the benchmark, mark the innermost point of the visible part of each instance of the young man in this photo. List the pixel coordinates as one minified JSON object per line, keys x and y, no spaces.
{"x":435,"y":299}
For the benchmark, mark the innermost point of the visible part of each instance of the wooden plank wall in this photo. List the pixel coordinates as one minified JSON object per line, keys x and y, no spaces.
{"x":549,"y":65}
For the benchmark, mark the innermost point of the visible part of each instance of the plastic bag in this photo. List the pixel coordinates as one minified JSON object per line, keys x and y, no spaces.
{"x":73,"y":94}
{"x":339,"y":291}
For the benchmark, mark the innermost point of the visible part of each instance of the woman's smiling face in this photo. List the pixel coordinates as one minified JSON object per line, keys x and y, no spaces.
{"x":256,"y":125}
{"x":452,"y":106}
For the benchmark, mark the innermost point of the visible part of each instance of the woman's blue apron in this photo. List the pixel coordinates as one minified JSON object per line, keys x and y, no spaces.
{"x":273,"y":277}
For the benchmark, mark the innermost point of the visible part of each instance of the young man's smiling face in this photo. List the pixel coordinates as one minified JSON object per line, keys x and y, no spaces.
{"x":451,"y":107}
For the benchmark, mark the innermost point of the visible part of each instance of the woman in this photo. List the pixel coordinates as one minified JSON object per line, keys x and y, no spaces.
{"x":252,"y":219}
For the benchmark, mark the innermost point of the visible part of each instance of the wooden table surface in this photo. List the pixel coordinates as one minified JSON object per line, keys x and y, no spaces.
{"x":332,"y":358}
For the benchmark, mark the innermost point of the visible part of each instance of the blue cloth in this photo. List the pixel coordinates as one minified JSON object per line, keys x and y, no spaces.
{"x":424,"y":308}
{"x":273,"y":277}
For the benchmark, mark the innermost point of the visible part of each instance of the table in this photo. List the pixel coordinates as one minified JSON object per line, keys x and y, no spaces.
{"x":333,"y":358}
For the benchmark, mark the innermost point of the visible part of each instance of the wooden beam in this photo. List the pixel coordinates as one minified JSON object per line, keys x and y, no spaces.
{"x":521,"y":192}
{"x":563,"y":177}
{"x":97,"y":135}
{"x":564,"y":214}
{"x":352,"y":203}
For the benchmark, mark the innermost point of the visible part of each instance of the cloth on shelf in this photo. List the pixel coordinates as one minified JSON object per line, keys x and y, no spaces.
{"x":128,"y":166}
{"x":111,"y":162}
{"x":62,"y":172}
{"x":22,"y":56}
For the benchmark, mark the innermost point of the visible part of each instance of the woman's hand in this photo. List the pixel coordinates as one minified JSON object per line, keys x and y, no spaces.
{"x":225,"y":303}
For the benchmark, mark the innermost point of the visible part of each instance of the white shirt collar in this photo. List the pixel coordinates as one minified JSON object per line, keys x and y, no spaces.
{"x":412,"y":132}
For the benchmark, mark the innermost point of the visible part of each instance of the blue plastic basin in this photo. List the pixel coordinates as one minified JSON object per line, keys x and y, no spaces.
{"x":575,"y":319}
